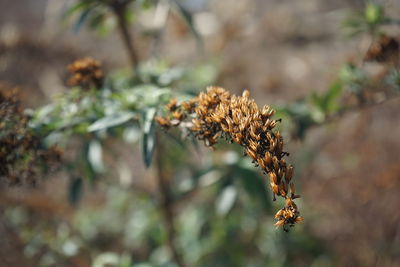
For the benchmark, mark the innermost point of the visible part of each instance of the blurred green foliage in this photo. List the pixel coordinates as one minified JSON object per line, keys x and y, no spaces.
{"x":101,"y":15}
{"x":370,"y":20}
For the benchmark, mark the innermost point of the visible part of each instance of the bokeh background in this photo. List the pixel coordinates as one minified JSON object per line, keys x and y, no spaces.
{"x":347,"y":170}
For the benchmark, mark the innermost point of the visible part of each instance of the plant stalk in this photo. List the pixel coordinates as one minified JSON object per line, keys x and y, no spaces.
{"x":167,"y":206}
{"x":119,"y":10}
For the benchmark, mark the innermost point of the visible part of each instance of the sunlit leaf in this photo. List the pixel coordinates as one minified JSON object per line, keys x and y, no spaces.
{"x":131,"y":134}
{"x":226,"y":200}
{"x":88,"y":169}
{"x":111,"y":121}
{"x":106,"y":259}
{"x":373,"y":13}
{"x":95,"y":156}
{"x":149,"y":135}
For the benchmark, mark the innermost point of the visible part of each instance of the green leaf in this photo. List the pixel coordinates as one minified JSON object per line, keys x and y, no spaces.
{"x":254,"y":186}
{"x":75,"y":190}
{"x":131,"y":134}
{"x":87,"y":167}
{"x":226,"y":200}
{"x":95,"y":156}
{"x":96,"y":20}
{"x":149,"y":135}
{"x":373,"y":13}
{"x":111,"y":121}
{"x":77,"y":7}
{"x":327,"y":103}
{"x":82,"y":19}
{"x":334,"y":92}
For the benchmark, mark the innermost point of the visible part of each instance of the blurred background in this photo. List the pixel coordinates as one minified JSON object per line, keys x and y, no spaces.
{"x":291,"y":55}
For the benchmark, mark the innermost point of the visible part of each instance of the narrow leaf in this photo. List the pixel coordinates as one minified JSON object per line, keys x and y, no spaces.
{"x":111,"y":121}
{"x":95,"y":156}
{"x":75,"y":190}
{"x":149,"y":136}
{"x":332,"y":96}
{"x":82,"y":18}
{"x":77,"y":7}
{"x":226,"y":200}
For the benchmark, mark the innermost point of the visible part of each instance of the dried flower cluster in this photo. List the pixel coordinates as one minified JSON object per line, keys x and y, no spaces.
{"x":384,"y":49}
{"x":86,"y":72}
{"x":20,"y":152}
{"x":216,"y":113}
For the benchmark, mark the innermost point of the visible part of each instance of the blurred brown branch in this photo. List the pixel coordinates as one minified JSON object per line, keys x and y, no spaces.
{"x":167,"y":206}
{"x":119,"y":8}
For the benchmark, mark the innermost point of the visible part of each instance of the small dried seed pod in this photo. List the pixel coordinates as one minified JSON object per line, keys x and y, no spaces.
{"x":164,"y":122}
{"x":172,"y":105}
{"x":251,"y":153}
{"x":275,"y":162}
{"x":289,"y":173}
{"x":267,"y":158}
{"x":280,"y":213}
{"x":275,"y":189}
{"x":261,"y":162}
{"x":178,"y":115}
{"x":280,"y":223}
{"x":299,"y":219}
{"x":273,"y":178}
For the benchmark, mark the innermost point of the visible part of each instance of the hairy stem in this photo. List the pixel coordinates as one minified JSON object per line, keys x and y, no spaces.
{"x":167,"y":206}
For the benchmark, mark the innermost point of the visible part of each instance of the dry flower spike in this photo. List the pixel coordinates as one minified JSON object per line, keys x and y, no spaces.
{"x":86,"y":72}
{"x":216,"y":113}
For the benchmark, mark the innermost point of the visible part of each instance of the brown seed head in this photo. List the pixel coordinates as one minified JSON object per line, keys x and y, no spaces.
{"x":239,"y":119}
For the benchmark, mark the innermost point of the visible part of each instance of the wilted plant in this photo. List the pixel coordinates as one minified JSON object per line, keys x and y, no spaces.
{"x":216,"y":113}
{"x":22,"y":157}
{"x":86,"y":73}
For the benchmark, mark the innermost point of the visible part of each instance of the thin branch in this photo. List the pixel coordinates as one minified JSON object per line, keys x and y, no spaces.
{"x":119,"y":9}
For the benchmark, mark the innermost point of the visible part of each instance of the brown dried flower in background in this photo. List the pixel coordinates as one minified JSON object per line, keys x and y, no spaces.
{"x":385,"y":49}
{"x":21,"y":154}
{"x":216,"y":113}
{"x":86,"y":72}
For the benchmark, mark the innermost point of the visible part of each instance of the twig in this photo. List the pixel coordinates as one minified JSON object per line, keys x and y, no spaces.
{"x":119,"y":9}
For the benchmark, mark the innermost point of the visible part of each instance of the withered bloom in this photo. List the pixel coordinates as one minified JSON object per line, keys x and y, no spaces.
{"x":216,"y":113}
{"x":86,"y":72}
{"x":21,"y":154}
{"x":385,"y":49}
